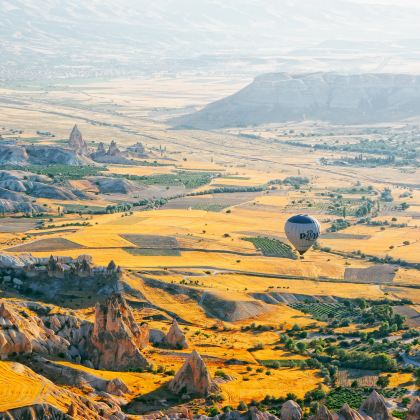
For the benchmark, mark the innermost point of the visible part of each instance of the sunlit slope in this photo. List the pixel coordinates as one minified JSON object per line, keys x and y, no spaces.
{"x":20,"y":386}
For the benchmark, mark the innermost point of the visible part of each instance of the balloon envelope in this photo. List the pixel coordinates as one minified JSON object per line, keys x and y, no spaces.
{"x":302,"y":231}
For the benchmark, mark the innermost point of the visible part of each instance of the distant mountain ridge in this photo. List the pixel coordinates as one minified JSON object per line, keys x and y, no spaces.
{"x":333,"y":97}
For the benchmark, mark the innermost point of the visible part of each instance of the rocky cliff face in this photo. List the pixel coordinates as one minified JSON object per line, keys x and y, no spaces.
{"x":22,"y":332}
{"x":76,"y":141}
{"x":175,"y":338}
{"x":116,"y":339}
{"x":193,"y":378}
{"x":338,"y":98}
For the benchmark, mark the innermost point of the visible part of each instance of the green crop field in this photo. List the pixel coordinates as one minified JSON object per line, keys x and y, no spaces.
{"x":272,"y":247}
{"x":354,"y":397}
{"x":59,"y":171}
{"x":188,"y":179}
{"x":321,"y":311}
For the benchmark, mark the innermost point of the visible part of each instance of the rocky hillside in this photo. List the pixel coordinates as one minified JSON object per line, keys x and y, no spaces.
{"x":338,"y":98}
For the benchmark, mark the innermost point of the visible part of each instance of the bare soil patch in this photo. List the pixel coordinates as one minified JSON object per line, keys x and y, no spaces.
{"x":46,"y":245}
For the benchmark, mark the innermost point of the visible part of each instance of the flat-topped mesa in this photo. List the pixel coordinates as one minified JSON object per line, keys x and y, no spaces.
{"x":375,"y":407}
{"x":175,"y":338}
{"x":290,"y":410}
{"x":76,"y":141}
{"x":117,"y":340}
{"x":193,"y":378}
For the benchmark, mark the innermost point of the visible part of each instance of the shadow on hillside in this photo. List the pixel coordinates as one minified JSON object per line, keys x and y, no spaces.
{"x":159,"y":399}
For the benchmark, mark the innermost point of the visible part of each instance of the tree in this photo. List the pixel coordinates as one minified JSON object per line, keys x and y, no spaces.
{"x":242,"y":406}
{"x":301,"y":346}
{"x":417,"y":376}
{"x":383,"y":381}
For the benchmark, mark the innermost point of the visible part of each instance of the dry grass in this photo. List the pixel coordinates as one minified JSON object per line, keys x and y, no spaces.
{"x":20,"y":386}
{"x":278,"y":384}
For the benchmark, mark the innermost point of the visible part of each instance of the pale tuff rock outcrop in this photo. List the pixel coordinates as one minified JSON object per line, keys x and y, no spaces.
{"x":375,"y":407}
{"x":117,"y":387}
{"x":156,"y":336}
{"x":11,"y":206}
{"x":101,"y":149}
{"x":113,"y":149}
{"x":24,"y":155}
{"x":347,"y":413}
{"x":21,"y":332}
{"x":112,"y":155}
{"x":37,"y":411}
{"x":69,"y":376}
{"x":175,"y":337}
{"x":116,"y":339}
{"x":193,"y":378}
{"x":11,"y":154}
{"x":76,"y":141}
{"x":290,"y":410}
{"x":53,"y":402}
{"x":414,"y":410}
{"x":136,"y":149}
{"x":324,"y":414}
{"x":109,"y":185}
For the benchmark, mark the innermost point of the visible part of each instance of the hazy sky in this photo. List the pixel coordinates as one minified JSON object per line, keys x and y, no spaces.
{"x":72,"y":32}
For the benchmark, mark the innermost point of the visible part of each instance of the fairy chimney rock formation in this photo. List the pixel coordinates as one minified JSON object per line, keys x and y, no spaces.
{"x":193,"y":378}
{"x":375,"y":407}
{"x":290,"y":410}
{"x":101,"y":149}
{"x":347,"y":413}
{"x":414,"y":410}
{"x":324,"y":414}
{"x":113,"y":149}
{"x":76,"y":141}
{"x":175,"y":337}
{"x":117,"y":340}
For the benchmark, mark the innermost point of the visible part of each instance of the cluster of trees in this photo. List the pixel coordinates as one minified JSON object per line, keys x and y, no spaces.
{"x":338,"y":224}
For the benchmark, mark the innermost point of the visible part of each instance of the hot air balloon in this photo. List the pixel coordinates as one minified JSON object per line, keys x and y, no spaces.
{"x":302,"y":231}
